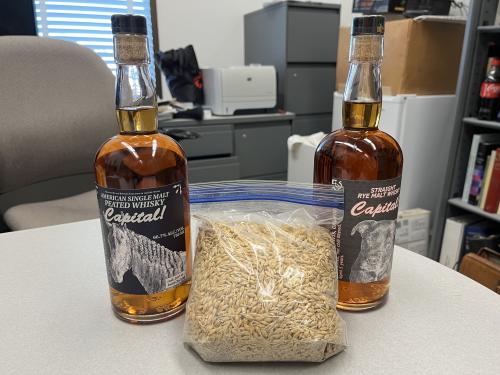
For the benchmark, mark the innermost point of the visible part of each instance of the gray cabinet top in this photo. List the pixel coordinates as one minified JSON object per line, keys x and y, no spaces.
{"x":165,"y":122}
{"x":301,"y":4}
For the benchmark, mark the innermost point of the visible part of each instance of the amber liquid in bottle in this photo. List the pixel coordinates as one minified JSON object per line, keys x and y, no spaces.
{"x":360,"y":152}
{"x":142,"y":185}
{"x":141,"y":160}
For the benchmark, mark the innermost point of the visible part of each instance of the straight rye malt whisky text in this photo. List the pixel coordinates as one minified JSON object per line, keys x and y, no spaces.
{"x":142,"y":190}
{"x":368,"y":164}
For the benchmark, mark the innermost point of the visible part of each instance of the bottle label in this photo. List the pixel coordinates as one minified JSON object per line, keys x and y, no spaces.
{"x":144,"y":238}
{"x":490,"y":90}
{"x":366,"y":236}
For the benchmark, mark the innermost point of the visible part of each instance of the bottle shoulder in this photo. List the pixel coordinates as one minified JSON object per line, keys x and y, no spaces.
{"x":493,"y":74}
{"x":359,"y":140}
{"x":129,"y":143}
{"x":140,"y":161}
{"x":358,"y":155}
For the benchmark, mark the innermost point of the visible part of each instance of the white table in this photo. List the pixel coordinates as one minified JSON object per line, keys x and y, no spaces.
{"x":55,"y":318}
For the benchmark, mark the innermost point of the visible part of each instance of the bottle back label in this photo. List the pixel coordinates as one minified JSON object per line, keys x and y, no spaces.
{"x":144,"y":238}
{"x":365,"y":238}
{"x":490,"y":90}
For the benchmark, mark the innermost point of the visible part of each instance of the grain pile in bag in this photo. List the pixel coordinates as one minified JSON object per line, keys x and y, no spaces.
{"x":264,"y":285}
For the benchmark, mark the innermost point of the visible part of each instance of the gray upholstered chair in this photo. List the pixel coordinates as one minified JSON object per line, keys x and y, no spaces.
{"x":56,"y":108}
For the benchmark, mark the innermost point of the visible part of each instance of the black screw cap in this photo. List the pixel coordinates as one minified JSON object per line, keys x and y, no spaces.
{"x":128,"y":24}
{"x":368,"y":25}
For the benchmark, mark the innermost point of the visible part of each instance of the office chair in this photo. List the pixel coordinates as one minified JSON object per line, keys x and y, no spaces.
{"x":57,"y":107}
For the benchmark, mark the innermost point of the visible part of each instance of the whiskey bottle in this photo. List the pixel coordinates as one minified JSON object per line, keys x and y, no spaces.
{"x":142,"y":190}
{"x":368,"y":164}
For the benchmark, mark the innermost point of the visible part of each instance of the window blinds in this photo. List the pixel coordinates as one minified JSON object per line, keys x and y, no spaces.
{"x":88,"y":22}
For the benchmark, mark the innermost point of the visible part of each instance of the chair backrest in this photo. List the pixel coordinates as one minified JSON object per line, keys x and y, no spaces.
{"x":56,"y":109}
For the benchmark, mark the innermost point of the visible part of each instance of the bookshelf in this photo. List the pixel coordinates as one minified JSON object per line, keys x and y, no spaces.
{"x":458,"y":202}
{"x":489,"y":29}
{"x":482,"y":123}
{"x":479,"y":32}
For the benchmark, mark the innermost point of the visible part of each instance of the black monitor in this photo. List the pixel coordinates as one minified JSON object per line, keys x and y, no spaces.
{"x":17,"y":17}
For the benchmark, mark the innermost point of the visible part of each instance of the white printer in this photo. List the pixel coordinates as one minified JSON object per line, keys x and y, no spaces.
{"x":239,"y":87}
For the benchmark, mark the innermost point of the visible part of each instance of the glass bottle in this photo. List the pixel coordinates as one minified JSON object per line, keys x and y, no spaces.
{"x":368,"y":164}
{"x":489,"y":103}
{"x":142,"y":191}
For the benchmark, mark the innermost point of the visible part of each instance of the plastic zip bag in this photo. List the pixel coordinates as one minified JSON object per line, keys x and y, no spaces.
{"x":264,"y":284}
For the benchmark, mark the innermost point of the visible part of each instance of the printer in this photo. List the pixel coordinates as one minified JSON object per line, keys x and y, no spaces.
{"x":239,"y":88}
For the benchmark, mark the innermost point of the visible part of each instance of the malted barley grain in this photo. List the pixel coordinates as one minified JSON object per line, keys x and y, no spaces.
{"x":264,"y":291}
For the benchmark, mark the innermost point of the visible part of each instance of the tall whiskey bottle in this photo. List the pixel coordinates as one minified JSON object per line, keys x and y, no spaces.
{"x":368,"y":164}
{"x":142,"y":190}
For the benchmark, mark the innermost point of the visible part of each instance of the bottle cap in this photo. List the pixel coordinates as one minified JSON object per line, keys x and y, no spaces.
{"x":493,"y":50}
{"x":368,"y":25}
{"x":128,"y":24}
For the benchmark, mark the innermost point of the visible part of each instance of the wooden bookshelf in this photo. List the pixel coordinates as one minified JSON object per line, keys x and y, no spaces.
{"x":458,"y":202}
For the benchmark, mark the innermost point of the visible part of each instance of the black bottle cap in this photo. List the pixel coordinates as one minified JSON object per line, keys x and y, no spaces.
{"x":493,"y":50}
{"x":128,"y":24}
{"x":368,"y":25}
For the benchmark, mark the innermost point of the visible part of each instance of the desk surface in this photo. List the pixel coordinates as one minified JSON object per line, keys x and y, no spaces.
{"x":55,"y":318}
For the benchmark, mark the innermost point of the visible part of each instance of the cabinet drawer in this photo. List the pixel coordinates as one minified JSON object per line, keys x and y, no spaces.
{"x":262,"y":149}
{"x":312,"y":35}
{"x":305,"y":125}
{"x":214,"y":169}
{"x":309,"y":89}
{"x":214,"y":140}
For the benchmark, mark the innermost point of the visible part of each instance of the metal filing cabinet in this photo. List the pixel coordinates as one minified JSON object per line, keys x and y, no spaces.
{"x":234,"y":147}
{"x":300,"y":39}
{"x":262,"y":150}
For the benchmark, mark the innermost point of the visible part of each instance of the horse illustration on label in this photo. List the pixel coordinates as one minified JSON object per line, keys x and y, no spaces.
{"x":377,"y":244}
{"x":156,"y":267}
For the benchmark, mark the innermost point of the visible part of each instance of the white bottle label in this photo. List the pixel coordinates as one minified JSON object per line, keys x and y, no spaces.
{"x":366,"y":236}
{"x":144,"y":238}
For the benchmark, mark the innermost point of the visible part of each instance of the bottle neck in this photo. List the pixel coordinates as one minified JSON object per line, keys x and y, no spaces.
{"x":362,"y":102}
{"x":136,"y":106}
{"x":494,"y":70}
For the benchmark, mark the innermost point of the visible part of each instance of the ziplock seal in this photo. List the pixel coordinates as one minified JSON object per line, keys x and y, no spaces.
{"x":254,"y":190}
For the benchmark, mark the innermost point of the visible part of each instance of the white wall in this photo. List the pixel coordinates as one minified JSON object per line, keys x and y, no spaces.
{"x":213,"y":27}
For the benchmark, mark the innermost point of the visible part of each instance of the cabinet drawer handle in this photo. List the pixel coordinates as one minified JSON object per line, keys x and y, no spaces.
{"x":180,"y":134}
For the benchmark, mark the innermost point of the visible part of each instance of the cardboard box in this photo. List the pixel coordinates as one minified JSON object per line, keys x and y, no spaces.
{"x":421,"y":56}
{"x":419,"y":247}
{"x":412,"y":225}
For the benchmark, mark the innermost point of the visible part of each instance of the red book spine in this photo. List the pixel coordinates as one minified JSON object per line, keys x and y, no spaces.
{"x":493,"y":193}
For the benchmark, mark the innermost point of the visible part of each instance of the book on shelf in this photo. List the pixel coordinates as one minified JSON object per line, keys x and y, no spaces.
{"x":484,"y":150}
{"x":481,"y":147}
{"x":492,"y":200}
{"x":488,"y":168}
{"x":454,"y":238}
{"x":476,"y":140}
{"x":484,"y":233}
{"x":467,"y":234}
